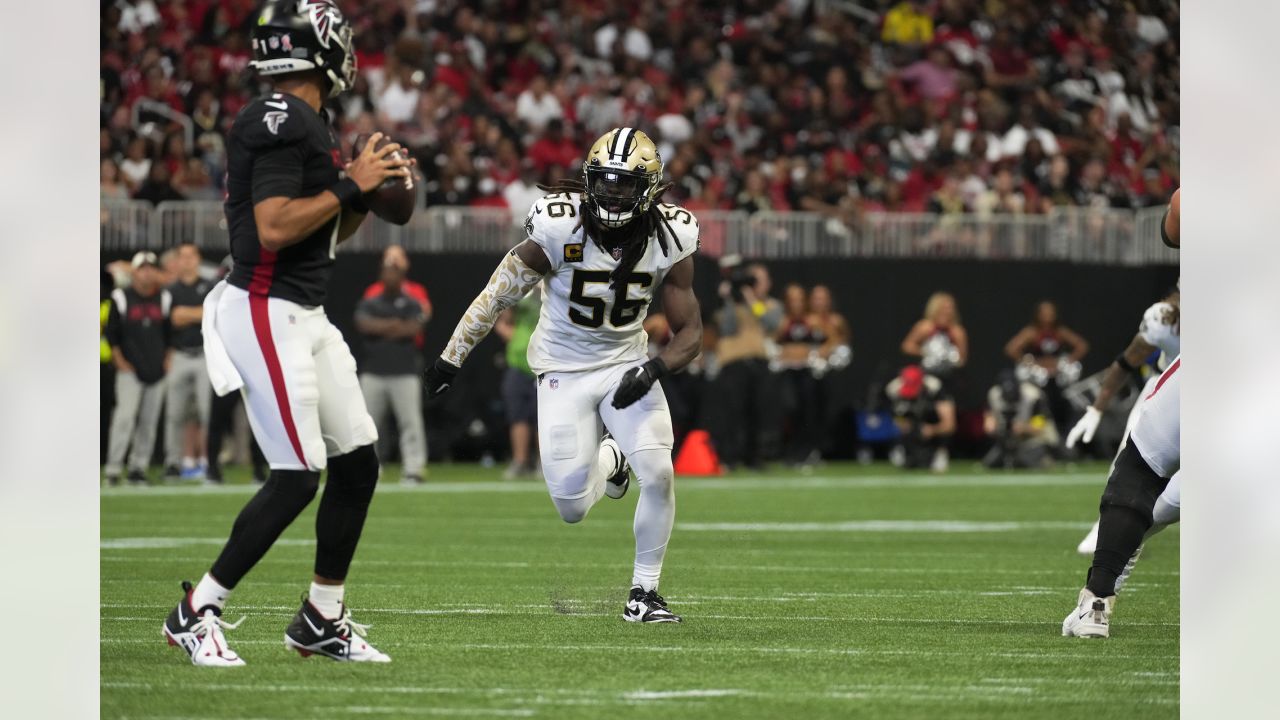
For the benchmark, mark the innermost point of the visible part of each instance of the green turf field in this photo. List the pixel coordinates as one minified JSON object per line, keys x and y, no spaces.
{"x":850,"y":592}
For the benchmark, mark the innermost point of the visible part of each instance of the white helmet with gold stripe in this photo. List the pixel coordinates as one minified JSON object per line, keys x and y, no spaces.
{"x":622,"y":174}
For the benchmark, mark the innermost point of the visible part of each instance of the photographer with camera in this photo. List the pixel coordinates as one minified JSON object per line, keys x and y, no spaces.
{"x":748,"y":430}
{"x":926,"y":418}
{"x":1019,"y":419}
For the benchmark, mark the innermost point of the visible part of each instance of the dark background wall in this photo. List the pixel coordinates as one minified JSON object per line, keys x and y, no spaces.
{"x":880,"y":298}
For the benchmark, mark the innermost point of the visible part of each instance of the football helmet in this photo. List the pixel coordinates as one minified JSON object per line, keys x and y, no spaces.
{"x":622,"y":174}
{"x":296,"y":35}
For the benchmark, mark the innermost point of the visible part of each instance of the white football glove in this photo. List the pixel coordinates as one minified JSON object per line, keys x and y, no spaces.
{"x":1085,"y":428}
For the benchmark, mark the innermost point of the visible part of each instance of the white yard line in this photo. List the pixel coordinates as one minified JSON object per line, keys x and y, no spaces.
{"x":686,"y":484}
{"x":874,"y":526}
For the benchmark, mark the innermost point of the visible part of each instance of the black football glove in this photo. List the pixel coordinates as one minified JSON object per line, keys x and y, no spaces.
{"x":439,"y":377}
{"x":637,"y":381}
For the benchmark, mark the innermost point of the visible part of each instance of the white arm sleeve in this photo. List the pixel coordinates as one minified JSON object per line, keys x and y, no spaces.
{"x":510,"y":282}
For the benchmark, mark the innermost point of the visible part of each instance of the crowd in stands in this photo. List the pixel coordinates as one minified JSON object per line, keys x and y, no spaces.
{"x":948,"y":106}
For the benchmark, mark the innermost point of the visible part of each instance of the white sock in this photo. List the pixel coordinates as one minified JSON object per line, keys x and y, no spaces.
{"x":655,"y":514}
{"x":209,"y":592}
{"x":327,"y":599}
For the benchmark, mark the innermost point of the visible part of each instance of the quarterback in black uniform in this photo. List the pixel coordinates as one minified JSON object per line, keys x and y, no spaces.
{"x":290,"y":201}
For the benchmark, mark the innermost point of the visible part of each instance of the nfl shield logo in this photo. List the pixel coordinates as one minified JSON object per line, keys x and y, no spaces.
{"x":555,"y":383}
{"x":617,"y":253}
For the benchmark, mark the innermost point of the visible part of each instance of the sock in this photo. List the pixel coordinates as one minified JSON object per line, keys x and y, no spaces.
{"x":209,"y":592}
{"x":655,"y":514}
{"x":1120,"y":534}
{"x":343,"y":509}
{"x":327,"y":599}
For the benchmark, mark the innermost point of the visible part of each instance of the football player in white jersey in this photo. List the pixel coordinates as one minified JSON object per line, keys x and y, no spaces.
{"x":602,"y":248}
{"x":1160,"y":330}
{"x":1142,"y":494}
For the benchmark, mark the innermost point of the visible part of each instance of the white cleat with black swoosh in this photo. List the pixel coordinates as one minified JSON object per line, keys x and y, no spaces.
{"x":199,"y":632}
{"x":647,"y":606}
{"x":343,"y":639}
{"x":1091,"y":618}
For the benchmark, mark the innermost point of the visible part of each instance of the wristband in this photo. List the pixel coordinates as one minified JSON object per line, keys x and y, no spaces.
{"x":1164,"y":235}
{"x":658,"y":368}
{"x":349,"y":195}
{"x":1122,"y":362}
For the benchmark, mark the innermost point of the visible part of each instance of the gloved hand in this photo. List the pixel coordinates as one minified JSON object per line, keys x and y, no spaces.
{"x":637,"y":381}
{"x":439,"y":377}
{"x":1085,"y":428}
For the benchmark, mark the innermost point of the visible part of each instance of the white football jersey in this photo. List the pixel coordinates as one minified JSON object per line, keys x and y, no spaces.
{"x":1161,"y":327}
{"x":584,"y":323}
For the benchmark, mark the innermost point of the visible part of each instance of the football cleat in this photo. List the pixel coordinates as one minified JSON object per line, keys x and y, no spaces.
{"x":137,"y":478}
{"x":647,"y":607}
{"x":616,"y":484}
{"x":1091,"y":618}
{"x":1090,"y":541}
{"x":311,"y":633}
{"x":200,"y":633}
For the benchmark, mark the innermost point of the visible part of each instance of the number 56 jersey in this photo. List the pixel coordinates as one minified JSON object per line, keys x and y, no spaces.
{"x":586,"y":324}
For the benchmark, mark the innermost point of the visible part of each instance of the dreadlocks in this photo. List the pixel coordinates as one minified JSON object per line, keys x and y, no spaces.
{"x":633,"y":237}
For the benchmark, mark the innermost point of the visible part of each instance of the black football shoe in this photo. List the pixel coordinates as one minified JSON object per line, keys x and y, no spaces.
{"x":138,"y":478}
{"x":616,"y":484}
{"x":311,"y":633}
{"x":199,"y":632}
{"x":647,"y":607}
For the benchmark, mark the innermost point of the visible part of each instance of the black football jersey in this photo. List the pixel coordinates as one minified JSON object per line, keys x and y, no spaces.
{"x":280,"y":147}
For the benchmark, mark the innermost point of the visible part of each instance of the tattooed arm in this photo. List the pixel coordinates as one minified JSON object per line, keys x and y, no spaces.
{"x":515,"y":276}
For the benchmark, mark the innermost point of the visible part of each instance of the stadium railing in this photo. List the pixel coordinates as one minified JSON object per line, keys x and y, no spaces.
{"x":1078,"y":235}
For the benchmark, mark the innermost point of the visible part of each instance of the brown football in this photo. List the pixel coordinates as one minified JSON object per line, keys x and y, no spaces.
{"x":395,"y":198}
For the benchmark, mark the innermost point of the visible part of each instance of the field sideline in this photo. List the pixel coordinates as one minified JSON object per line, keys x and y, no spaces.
{"x":851,"y":592}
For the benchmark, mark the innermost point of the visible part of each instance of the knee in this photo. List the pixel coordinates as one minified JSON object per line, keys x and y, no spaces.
{"x":571,"y":511}
{"x":653,"y":469}
{"x":354,"y":475}
{"x":297,"y":487}
{"x":1133,"y":485}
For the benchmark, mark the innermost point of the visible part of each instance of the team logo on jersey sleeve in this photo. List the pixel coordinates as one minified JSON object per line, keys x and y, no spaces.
{"x":573,"y":252}
{"x":274,"y":119}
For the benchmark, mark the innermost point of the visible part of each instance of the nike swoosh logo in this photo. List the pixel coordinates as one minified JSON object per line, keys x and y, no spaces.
{"x":537,"y":210}
{"x":277,"y":105}
{"x":318,"y":631}
{"x":181,"y":620}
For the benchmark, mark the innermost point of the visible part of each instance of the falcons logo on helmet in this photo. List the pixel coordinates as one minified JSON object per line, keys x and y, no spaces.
{"x":324,"y":16}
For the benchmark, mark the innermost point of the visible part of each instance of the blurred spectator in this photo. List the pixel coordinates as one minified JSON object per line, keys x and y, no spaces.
{"x":157,"y":188}
{"x":136,"y":165}
{"x":934,"y":77}
{"x":399,"y":99}
{"x":1025,"y":129}
{"x":113,"y":187}
{"x":925,"y":415}
{"x":746,"y":319}
{"x":187,"y":384}
{"x":1018,"y":419}
{"x":938,"y":339}
{"x":537,"y":106}
{"x":391,"y":367}
{"x":519,"y":386}
{"x":908,"y":23}
{"x":555,"y":154}
{"x":138,"y":331}
{"x":1003,"y":198}
{"x":520,"y":194}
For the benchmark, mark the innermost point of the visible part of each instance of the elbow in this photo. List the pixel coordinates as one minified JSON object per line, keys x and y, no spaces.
{"x":273,"y":238}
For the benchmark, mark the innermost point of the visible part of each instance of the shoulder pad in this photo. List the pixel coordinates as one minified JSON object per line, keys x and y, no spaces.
{"x":271,"y":121}
{"x":685,"y":225}
{"x":550,"y":223}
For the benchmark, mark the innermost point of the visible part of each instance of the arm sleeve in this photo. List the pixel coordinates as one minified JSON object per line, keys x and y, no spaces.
{"x":277,"y":172}
{"x":510,"y":282}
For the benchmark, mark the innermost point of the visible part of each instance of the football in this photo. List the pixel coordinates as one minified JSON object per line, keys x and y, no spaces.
{"x":395,"y":198}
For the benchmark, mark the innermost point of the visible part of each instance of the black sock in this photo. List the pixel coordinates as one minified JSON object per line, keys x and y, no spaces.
{"x":285,"y":494}
{"x":1124,"y":517}
{"x":343,"y":507}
